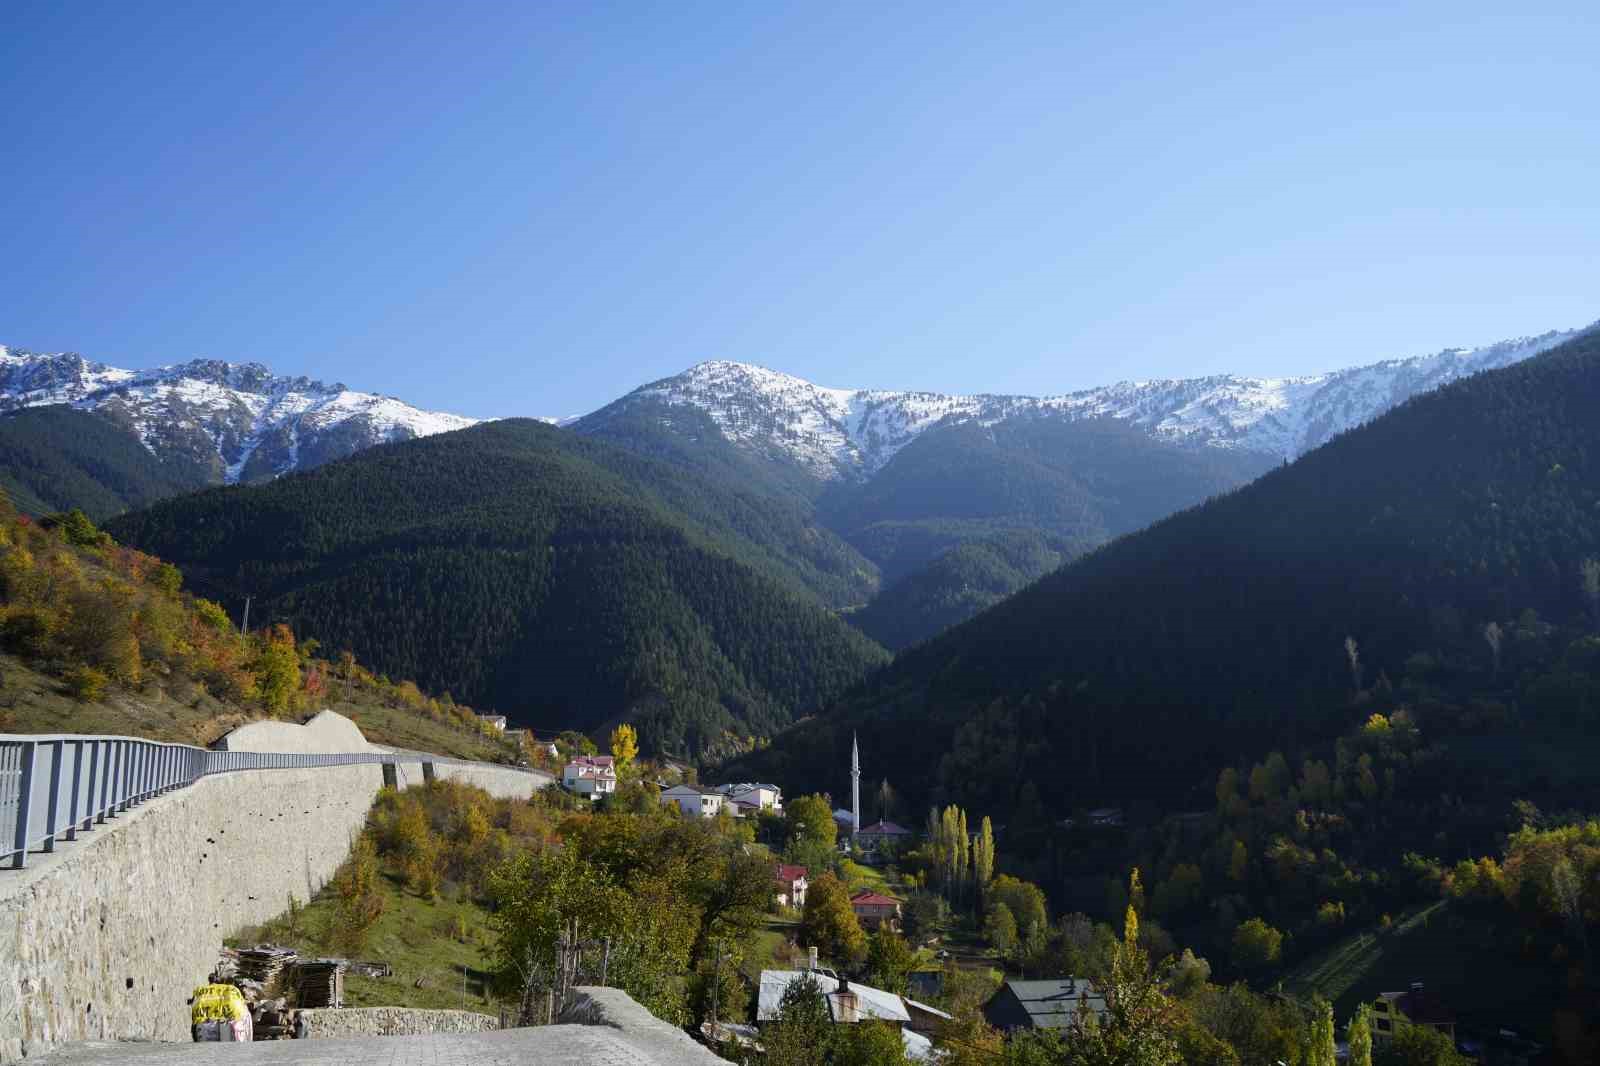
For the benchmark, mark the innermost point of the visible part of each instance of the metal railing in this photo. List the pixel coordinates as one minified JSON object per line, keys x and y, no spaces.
{"x":54,"y":787}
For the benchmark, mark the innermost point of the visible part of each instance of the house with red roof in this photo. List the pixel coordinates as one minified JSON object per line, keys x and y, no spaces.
{"x":791,"y":885}
{"x":874,"y":910}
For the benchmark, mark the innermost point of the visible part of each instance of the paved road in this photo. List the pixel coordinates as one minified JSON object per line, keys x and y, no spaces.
{"x":570,"y":1045}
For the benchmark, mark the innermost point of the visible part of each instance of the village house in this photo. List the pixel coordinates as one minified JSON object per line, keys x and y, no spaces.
{"x":881,"y":837}
{"x":874,"y":910}
{"x":751,"y":797}
{"x":1042,"y":1004}
{"x":849,"y":1003}
{"x":1418,"y":1006}
{"x":496,"y":722}
{"x":791,"y":885}
{"x":592,"y":776}
{"x":693,"y":801}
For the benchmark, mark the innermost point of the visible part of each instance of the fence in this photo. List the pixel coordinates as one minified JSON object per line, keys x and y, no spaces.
{"x":54,"y":787}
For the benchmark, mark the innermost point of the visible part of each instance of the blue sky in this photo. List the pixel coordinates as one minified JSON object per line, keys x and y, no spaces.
{"x":528,"y":209}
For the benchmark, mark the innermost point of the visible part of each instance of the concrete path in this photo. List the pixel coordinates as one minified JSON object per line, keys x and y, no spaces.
{"x":569,"y":1045}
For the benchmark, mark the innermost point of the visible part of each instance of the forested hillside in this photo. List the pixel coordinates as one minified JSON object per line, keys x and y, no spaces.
{"x":564,"y":582}
{"x":57,"y":458}
{"x":1062,"y":487}
{"x":1253,"y":621}
{"x":96,"y":637}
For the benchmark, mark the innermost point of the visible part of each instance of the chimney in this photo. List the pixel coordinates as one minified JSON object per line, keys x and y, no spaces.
{"x":847,"y":1006}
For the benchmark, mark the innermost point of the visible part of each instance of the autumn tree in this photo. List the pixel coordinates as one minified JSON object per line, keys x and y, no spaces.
{"x":983,"y":858}
{"x":1140,"y":1023}
{"x":890,"y":960}
{"x":1320,"y":1037}
{"x":624,"y":746}
{"x":360,"y":900}
{"x":829,"y":923}
{"x":1256,"y":945}
{"x":1000,"y":930}
{"x":1360,"y":1037}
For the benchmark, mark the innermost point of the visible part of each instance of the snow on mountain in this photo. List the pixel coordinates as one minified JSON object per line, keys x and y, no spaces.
{"x":851,"y":434}
{"x":240,"y":421}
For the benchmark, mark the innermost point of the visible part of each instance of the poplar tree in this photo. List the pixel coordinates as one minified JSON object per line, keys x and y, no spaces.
{"x":1319,"y":1044}
{"x":1361,"y":1037}
{"x":983,"y":857}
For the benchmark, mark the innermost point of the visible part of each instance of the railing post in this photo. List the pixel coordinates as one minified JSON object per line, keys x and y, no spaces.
{"x":24,"y":803}
{"x":52,"y":806}
{"x":107,"y":772}
{"x":72,"y":796}
{"x":123,"y":756}
{"x":94,"y":767}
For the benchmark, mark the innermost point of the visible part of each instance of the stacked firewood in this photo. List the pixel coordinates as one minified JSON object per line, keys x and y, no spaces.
{"x":319,"y":982}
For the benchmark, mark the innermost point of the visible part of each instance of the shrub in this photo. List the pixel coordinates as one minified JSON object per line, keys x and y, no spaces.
{"x":86,"y":684}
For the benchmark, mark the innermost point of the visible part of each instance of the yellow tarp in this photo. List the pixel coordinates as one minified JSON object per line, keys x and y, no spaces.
{"x":218,"y":1003}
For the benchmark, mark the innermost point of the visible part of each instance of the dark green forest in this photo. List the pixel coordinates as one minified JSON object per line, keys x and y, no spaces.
{"x":1128,"y":676}
{"x":57,"y":458}
{"x":516,"y":566}
{"x":957,"y":585}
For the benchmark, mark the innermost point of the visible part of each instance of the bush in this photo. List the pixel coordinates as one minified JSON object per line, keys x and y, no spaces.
{"x":86,"y":684}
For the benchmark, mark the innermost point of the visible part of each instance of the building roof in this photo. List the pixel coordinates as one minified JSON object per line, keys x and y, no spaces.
{"x":842,"y":815}
{"x":888,"y":829}
{"x":595,"y":760}
{"x":870,"y":1002}
{"x":692,"y":790}
{"x":872,"y":899}
{"x":788,"y":873}
{"x":747,"y":786}
{"x":1422,"y":1006}
{"x":1053,"y":1004}
{"x":918,"y":1047}
{"x":923,"y":1007}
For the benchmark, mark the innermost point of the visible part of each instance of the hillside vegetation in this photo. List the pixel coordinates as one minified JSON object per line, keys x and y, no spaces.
{"x":1250,"y":622}
{"x":558,"y":579}
{"x":100,"y":638}
{"x":58,"y":458}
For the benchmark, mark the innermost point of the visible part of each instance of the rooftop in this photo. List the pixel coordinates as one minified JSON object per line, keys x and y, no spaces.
{"x":1054,"y":1004}
{"x":870,"y":1002}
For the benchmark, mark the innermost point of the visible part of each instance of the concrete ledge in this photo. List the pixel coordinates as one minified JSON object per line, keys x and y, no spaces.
{"x":655,"y":1040}
{"x":324,"y":1023}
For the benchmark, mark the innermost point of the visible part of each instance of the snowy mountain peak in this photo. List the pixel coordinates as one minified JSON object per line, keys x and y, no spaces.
{"x":851,"y":433}
{"x":239,"y":421}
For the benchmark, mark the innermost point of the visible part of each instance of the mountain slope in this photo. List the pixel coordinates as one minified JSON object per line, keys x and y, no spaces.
{"x":906,"y":477}
{"x":237,"y":421}
{"x":517,"y":565}
{"x":57,"y":458}
{"x":1131,"y":674}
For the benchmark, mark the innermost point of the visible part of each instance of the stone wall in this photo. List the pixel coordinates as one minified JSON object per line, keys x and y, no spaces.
{"x":106,"y":938}
{"x":325,"y":1023}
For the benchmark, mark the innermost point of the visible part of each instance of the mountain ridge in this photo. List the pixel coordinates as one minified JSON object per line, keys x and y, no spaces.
{"x":837,"y":433}
{"x":235,"y":421}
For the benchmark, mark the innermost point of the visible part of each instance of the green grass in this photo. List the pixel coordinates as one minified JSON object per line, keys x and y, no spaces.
{"x":1458,"y":958}
{"x":417,"y":937}
{"x":175,"y":709}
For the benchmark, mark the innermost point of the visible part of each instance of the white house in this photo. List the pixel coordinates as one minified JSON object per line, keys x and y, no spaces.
{"x":751,"y":796}
{"x":590,"y":775}
{"x":494,"y":721}
{"x":693,"y":801}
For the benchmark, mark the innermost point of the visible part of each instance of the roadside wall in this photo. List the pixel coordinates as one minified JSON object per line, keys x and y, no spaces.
{"x":324,"y":1023}
{"x":106,"y":938}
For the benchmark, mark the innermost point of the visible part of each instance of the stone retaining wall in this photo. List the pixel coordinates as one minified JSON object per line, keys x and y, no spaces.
{"x":325,"y":1023}
{"x":106,"y":938}
{"x":653,"y":1039}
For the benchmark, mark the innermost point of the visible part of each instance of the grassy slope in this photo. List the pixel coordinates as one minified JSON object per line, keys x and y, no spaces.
{"x":31,"y":702}
{"x":416,"y":937}
{"x":1450,"y":954}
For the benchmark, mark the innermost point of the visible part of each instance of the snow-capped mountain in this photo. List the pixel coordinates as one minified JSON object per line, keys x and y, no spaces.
{"x":850,"y":434}
{"x":240,"y":422}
